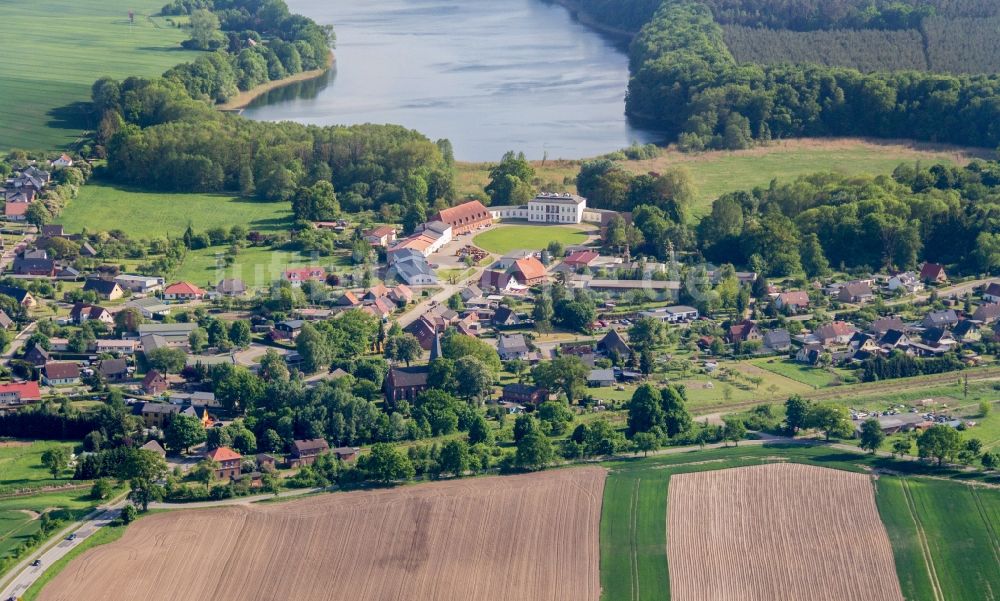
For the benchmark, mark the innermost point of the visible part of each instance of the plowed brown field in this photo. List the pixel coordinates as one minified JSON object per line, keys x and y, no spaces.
{"x":505,"y":538}
{"x":781,"y":531}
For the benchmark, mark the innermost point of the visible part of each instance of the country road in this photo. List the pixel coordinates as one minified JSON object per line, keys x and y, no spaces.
{"x":955,"y":291}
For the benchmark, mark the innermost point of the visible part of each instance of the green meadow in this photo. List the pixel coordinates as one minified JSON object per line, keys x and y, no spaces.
{"x":502,"y":240}
{"x":145,"y":215}
{"x":55,"y":49}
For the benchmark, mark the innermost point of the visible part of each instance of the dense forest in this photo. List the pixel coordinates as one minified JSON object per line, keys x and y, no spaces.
{"x":686,"y":81}
{"x":164,"y":133}
{"x":866,"y":50}
{"x":810,"y":225}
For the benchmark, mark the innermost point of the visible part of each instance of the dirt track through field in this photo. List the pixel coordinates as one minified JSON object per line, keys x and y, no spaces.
{"x":503,"y":538}
{"x":781,"y":531}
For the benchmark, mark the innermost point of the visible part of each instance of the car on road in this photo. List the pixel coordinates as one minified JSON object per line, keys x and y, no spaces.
{"x":72,"y":536}
{"x":36,"y":563}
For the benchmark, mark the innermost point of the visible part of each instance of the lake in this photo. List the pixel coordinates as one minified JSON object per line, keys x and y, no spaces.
{"x":490,"y":76}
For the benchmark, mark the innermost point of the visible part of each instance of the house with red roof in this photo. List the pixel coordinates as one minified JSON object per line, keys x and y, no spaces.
{"x":228,"y":460}
{"x":580,"y":259}
{"x":529,"y":271}
{"x":183,"y":291}
{"x":794,"y":301}
{"x":297,"y":275}
{"x":466,"y":217}
{"x":933,"y":273}
{"x":383,"y":236}
{"x":14,"y":394}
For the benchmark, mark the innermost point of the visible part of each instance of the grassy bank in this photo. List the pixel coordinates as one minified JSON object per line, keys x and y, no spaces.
{"x":56,"y":49}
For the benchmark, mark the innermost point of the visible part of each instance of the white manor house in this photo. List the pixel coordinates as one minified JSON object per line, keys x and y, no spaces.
{"x":552,"y":207}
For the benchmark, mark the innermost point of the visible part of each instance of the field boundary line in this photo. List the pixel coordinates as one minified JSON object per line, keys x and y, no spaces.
{"x":925,"y":549}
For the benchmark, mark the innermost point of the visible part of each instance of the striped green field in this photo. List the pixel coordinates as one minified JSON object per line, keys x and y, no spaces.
{"x":945,"y":537}
{"x":945,"y":534}
{"x":55,"y":49}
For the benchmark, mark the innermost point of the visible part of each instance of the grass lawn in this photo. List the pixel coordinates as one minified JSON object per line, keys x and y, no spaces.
{"x":16,"y":527}
{"x":961,"y":523}
{"x":21,"y":465}
{"x":257,"y":266}
{"x":716,"y":173}
{"x":504,"y":239}
{"x":60,"y":49}
{"x":103,"y":207}
{"x":805,"y":374}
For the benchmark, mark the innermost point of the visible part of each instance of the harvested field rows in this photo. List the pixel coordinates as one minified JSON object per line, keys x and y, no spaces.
{"x":511,"y":538}
{"x":781,"y":531}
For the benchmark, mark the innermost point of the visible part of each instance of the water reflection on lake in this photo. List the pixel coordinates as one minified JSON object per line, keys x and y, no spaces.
{"x":490,"y":76}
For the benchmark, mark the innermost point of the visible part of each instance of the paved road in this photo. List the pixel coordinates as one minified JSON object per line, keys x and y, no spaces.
{"x":26,"y":574}
{"x":956,"y":291}
{"x":19,"y":341}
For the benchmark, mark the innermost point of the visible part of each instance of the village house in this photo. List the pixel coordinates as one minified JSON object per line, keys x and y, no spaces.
{"x":36,"y":356}
{"x":987,"y":313}
{"x":106,"y":289}
{"x":855,"y":292}
{"x":992,"y":293}
{"x":666,"y":290}
{"x":601,"y":378}
{"x":884,"y":324}
{"x":14,"y":394}
{"x":908,"y":282}
{"x":938,"y":338}
{"x":838,"y":332}
{"x":6,"y":322}
{"x":154,"y":384}
{"x":22,"y":296}
{"x":778,"y":341}
{"x":151,"y":307}
{"x":199,"y":413}
{"x":157,"y":415}
{"x":114,"y":370}
{"x":792,"y":301}
{"x":345,"y":454}
{"x":744,"y":331}
{"x":673,"y":314}
{"x":528,"y":271}
{"x":61,"y":373}
{"x":348,"y":300}
{"x":383,"y":236}
{"x":894,"y":340}
{"x":155,"y":447}
{"x":581,"y":259}
{"x":411,"y":267}
{"x":117,"y":347}
{"x":229,"y":462}
{"x":81,"y":313}
{"x":401,"y":294}
{"x":505,"y":316}
{"x":34,"y":266}
{"x":64,"y":160}
{"x":231,"y":287}
{"x":966,"y":331}
{"x":298,"y":275}
{"x":305,"y":452}
{"x":512,"y":347}
{"x":140,"y":284}
{"x":183,"y":291}
{"x":524,"y":394}
{"x":933,"y":273}
{"x":614,"y":344}
{"x":940,"y":319}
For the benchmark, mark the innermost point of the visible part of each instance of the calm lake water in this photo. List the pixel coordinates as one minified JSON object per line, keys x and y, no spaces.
{"x":489,"y":75}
